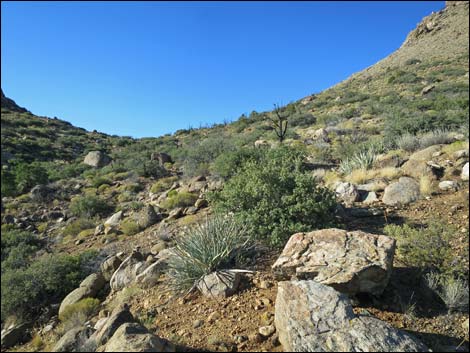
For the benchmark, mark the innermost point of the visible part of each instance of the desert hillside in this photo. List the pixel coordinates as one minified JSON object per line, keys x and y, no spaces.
{"x":338,"y":222}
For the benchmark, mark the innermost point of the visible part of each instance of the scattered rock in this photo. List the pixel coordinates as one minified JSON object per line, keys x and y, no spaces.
{"x":176,"y":213}
{"x":161,"y":157}
{"x":99,"y":230}
{"x":311,"y":317}
{"x":427,"y":89}
{"x":148,"y":217}
{"x":351,"y":262}
{"x":201,"y":203}
{"x":112,"y":222}
{"x":97,"y":159}
{"x":198,"y":323}
{"x":403,"y":192}
{"x":89,"y":288}
{"x":465,"y":174}
{"x":347,"y":192}
{"x":447,"y":185}
{"x":161,"y":245}
{"x":267,"y":331}
{"x":219,"y":284}
{"x":371,"y":198}
{"x":461,"y":154}
{"x":262,"y":143}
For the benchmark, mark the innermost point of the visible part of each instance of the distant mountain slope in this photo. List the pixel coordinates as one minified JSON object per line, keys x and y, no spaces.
{"x":10,"y":105}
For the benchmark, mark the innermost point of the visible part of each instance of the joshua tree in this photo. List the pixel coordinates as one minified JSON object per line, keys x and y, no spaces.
{"x":279,"y":121}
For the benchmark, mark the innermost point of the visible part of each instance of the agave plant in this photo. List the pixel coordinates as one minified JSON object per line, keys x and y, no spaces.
{"x":362,"y":160}
{"x":215,"y":245}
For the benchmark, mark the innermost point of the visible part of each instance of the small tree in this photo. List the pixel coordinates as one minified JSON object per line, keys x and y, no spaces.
{"x":279,"y":122}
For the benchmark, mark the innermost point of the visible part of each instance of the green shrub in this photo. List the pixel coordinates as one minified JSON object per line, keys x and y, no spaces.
{"x":26,"y":176}
{"x":84,"y":308}
{"x":228,"y":163}
{"x":220,"y":243}
{"x":129,"y":227}
{"x":179,"y":199}
{"x":8,"y":183}
{"x":428,"y":248}
{"x":163,"y":184}
{"x":48,"y":280}
{"x":276,"y":197}
{"x":89,"y":206}
{"x":98,"y":181}
{"x":17,"y":248}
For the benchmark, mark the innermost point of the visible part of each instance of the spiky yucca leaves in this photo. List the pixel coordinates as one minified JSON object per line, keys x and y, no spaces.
{"x":362,"y":160}
{"x":218,"y":244}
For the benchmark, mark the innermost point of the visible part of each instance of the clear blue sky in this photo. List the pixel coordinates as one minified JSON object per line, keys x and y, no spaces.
{"x":150,"y":68}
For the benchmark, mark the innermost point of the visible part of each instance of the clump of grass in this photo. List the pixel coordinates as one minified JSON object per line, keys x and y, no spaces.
{"x":129,"y":227}
{"x":425,"y":185}
{"x":179,"y":199}
{"x":454,"y":294}
{"x":163,"y":184}
{"x":77,"y":314}
{"x":360,"y":176}
{"x":389,"y":173}
{"x":217,"y":244}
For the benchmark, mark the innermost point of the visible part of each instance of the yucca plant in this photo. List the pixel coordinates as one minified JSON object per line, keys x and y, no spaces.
{"x":362,"y":160}
{"x":216,"y":245}
{"x":454,"y":294}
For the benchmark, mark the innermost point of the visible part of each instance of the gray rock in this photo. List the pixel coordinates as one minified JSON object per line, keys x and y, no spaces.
{"x":120,"y":315}
{"x":150,"y":276}
{"x":311,"y":317}
{"x":128,"y":270}
{"x":201,"y":203}
{"x":351,"y":262}
{"x":347,"y":192}
{"x":158,"y":247}
{"x":267,"y":331}
{"x":447,"y":185}
{"x":465,"y":174}
{"x":99,"y":229}
{"x":371,"y":198}
{"x":161,"y":157}
{"x":417,"y":165}
{"x":176,"y":213}
{"x":97,"y":159}
{"x":148,"y":217}
{"x":403,"y":192}
{"x":109,"y":266}
{"x":132,"y":337}
{"x":41,"y":193}
{"x":89,"y":288}
{"x":112,"y":223}
{"x":460,"y":154}
{"x":73,"y":340}
{"x":14,"y":335}
{"x":219,"y":284}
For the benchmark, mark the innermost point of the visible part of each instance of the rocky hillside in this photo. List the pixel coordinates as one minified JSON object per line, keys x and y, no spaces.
{"x":350,"y":234}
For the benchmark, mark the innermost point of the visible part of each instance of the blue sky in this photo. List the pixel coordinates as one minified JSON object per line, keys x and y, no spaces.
{"x":148,"y":68}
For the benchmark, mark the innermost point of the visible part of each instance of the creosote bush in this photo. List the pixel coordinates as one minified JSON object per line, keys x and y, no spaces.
{"x":217,"y":244}
{"x":276,"y":197}
{"x":89,"y":206}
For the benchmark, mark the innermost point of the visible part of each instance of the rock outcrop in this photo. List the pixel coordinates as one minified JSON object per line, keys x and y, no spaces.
{"x":311,"y":317}
{"x":351,"y":262}
{"x":97,"y":159}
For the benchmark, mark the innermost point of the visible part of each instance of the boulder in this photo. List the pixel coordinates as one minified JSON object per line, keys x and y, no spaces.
{"x":403,"y":192}
{"x":176,"y":213}
{"x":321,"y":135}
{"x":99,"y":230}
{"x":112,"y":223}
{"x":311,"y":317}
{"x":219,"y":284}
{"x":148,"y":217}
{"x":109,"y":266}
{"x":14,"y":335}
{"x":73,"y":340}
{"x":460,"y":154}
{"x":370,"y":198}
{"x":351,"y":262}
{"x":347,"y":192}
{"x":161,"y":157}
{"x":261,"y":143}
{"x":464,"y":174}
{"x":89,"y":288}
{"x":150,"y":276}
{"x":201,"y":203}
{"x":127,"y":271}
{"x":447,"y":185}
{"x":120,"y":315}
{"x":133,"y":337}
{"x":417,"y":165}
{"x":41,"y":193}
{"x":97,"y":159}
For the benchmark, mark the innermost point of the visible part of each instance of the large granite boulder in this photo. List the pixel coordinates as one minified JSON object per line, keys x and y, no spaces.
{"x":148,"y":217}
{"x":73,"y":340}
{"x":347,"y":192}
{"x":311,"y":317}
{"x":128,"y":270}
{"x":97,"y":159}
{"x":119,"y":316}
{"x":109,"y":266}
{"x":403,"y":192}
{"x":132,"y":337}
{"x":418,"y":166}
{"x":89,"y":288}
{"x":351,"y":262}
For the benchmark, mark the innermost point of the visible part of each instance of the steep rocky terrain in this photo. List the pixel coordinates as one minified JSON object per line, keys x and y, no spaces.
{"x":90,"y":221}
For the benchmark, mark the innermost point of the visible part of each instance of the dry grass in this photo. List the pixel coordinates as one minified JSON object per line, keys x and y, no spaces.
{"x":361,"y":176}
{"x":389,"y":173}
{"x":454,"y":147}
{"x":425,"y":185}
{"x":330,"y":178}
